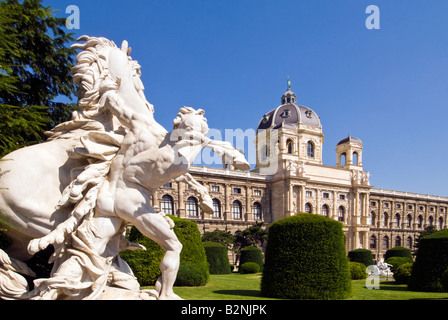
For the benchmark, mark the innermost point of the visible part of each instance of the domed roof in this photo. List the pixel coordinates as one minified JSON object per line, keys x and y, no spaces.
{"x":289,"y":114}
{"x":350,"y":139}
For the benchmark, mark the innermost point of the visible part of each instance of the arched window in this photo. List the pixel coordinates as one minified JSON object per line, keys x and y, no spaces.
{"x":385,"y":219}
{"x":420,"y":222}
{"x":409,"y":243}
{"x":397,"y":220}
{"x":310,"y":149}
{"x":167,"y":204}
{"x":408,"y":221}
{"x":372,"y":242}
{"x":440,"y":223}
{"x":308,"y":208}
{"x":192,"y":207}
{"x":256,"y":211}
{"x":343,"y":159}
{"x":289,"y":146}
{"x":341,"y":213}
{"x":236,"y":210}
{"x":216,"y":208}
{"x":264,"y":153}
{"x":397,"y":241}
{"x":324,"y":211}
{"x":386,"y":242}
{"x":355,"y":158}
{"x":373,"y":218}
{"x":431,"y":220}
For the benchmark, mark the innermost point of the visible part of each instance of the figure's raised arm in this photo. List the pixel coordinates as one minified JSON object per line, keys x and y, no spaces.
{"x":111,"y":101}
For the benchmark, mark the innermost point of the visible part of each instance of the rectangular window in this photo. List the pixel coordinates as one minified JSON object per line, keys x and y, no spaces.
{"x":214,"y":188}
{"x":257,"y":193}
{"x":325,"y":195}
{"x":236,"y":190}
{"x":309,"y":193}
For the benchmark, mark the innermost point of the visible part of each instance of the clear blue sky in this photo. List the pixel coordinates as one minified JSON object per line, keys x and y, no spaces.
{"x":388,"y":87}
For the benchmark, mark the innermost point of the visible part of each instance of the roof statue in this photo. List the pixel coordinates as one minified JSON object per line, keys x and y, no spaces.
{"x":93,"y":177}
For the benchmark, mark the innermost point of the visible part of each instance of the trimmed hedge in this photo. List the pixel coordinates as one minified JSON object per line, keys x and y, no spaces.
{"x":190,"y":274}
{"x":217,"y":258}
{"x":305,"y":258}
{"x":398,"y":261}
{"x":444,"y":280}
{"x":145,"y":264}
{"x":430,"y":263}
{"x":403,"y":273}
{"x":357,"y":270}
{"x":398,"y":252}
{"x":250,"y":267}
{"x":361,"y":255}
{"x":251,"y":254}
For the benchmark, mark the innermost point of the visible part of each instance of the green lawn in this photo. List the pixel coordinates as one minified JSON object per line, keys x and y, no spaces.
{"x":237,"y":286}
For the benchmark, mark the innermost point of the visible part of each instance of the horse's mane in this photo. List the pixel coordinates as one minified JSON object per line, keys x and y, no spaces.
{"x":92,"y":78}
{"x":94,"y":129}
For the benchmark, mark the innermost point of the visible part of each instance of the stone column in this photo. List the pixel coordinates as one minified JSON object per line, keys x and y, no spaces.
{"x":181,"y":202}
{"x":227,"y":211}
{"x":248,"y":213}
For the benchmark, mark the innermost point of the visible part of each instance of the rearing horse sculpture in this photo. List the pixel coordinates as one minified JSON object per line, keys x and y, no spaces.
{"x":93,"y":177}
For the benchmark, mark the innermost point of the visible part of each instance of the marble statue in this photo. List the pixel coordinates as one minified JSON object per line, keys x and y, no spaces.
{"x":92,"y":178}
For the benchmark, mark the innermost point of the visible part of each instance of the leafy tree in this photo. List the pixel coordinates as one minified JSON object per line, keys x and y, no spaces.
{"x":254,"y":235}
{"x":35,"y":68}
{"x":225,"y":238}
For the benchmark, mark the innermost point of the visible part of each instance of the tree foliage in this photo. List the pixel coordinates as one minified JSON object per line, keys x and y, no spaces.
{"x":35,"y":64}
{"x":254,"y":235}
{"x":225,"y":238}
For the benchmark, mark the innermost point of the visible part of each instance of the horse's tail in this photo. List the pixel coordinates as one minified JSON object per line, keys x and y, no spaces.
{"x":12,"y":284}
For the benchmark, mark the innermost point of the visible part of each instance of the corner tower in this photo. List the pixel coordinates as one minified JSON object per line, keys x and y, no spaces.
{"x":349,"y":153}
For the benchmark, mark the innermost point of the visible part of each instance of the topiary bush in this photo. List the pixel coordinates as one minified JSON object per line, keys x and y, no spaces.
{"x":361,"y":255}
{"x":398,"y":252}
{"x":217,"y":258}
{"x":444,"y":280}
{"x":430,"y":263}
{"x":305,"y":258}
{"x":250,"y":267}
{"x":145,"y":264}
{"x":251,"y":254}
{"x":357,"y":270}
{"x":190,"y":274}
{"x":402,"y":273}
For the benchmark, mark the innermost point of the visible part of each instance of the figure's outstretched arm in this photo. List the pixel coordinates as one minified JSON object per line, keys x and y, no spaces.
{"x":234,"y":156}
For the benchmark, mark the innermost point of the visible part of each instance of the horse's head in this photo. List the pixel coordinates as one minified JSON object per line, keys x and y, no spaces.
{"x":102,"y":66}
{"x":189,"y":120}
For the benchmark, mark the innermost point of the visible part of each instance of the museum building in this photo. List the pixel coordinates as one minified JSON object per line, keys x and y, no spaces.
{"x":289,"y":178}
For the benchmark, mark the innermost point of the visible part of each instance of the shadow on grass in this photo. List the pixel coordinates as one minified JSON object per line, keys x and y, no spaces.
{"x":245,"y":293}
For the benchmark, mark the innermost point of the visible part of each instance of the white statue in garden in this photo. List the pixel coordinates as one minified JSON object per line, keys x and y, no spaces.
{"x":95,"y":176}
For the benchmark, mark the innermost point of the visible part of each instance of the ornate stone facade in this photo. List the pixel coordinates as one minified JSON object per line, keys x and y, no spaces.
{"x":289,"y":177}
